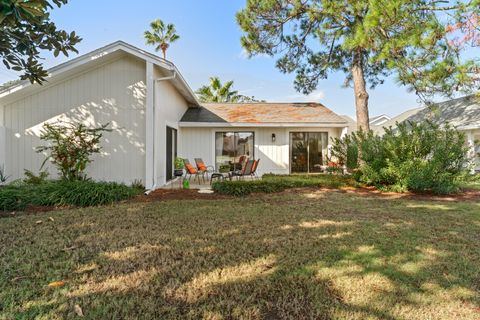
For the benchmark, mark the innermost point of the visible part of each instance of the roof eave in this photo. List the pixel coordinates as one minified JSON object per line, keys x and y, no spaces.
{"x":186,"y":124}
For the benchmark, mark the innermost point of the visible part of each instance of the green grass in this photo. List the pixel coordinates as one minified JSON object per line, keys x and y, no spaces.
{"x":276,"y":183}
{"x":306,"y":255}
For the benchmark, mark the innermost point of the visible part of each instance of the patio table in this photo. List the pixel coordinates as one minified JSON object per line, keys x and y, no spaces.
{"x":220,"y":175}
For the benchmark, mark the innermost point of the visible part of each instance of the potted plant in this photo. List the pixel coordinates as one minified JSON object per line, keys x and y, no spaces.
{"x":179,"y":165}
{"x":224,"y":168}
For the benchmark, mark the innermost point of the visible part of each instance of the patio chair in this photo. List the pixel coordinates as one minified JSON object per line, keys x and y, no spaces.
{"x":246,"y":170}
{"x":190,"y":171}
{"x":254,"y":169}
{"x":202,"y":167}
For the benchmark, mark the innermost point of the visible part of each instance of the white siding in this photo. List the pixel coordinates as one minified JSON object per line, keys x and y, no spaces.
{"x":275,"y":156}
{"x":169,"y":109}
{"x":113,"y":93}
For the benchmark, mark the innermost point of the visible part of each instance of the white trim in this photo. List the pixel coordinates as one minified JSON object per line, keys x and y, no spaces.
{"x":3,"y":146}
{"x":150,"y":129}
{"x":263,"y":124}
{"x":171,"y":124}
{"x":118,"y":46}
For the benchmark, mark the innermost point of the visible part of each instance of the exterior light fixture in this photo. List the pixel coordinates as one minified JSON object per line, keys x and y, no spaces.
{"x":273,"y":137}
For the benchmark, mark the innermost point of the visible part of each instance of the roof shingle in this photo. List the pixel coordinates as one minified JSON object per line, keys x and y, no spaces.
{"x":262,"y":113}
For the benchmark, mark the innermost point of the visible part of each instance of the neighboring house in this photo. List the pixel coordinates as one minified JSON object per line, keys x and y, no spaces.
{"x":462,"y":113}
{"x":155,"y":116}
{"x":379,"y":120}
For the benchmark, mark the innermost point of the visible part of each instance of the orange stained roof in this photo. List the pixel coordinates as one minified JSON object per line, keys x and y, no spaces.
{"x":263,"y":113}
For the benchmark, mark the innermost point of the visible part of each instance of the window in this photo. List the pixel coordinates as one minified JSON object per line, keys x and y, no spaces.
{"x":232,"y":147}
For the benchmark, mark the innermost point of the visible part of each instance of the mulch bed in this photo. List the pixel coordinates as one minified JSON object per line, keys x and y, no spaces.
{"x":193,"y":194}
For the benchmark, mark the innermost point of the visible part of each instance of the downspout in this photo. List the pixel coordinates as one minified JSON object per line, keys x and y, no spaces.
{"x":174,"y":74}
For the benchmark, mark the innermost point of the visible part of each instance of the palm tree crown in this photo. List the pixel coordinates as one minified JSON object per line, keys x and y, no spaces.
{"x":161,"y":35}
{"x":218,"y":92}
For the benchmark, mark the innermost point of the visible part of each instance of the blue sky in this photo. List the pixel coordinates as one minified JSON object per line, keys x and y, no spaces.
{"x":209,"y":46}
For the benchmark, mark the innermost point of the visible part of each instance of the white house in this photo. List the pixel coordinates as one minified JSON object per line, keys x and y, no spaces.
{"x":155,"y":116}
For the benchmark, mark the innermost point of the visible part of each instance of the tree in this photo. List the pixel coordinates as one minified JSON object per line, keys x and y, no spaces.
{"x":161,"y":35}
{"x":71,"y":146}
{"x":367,"y":40}
{"x":26,"y":29}
{"x":218,"y":92}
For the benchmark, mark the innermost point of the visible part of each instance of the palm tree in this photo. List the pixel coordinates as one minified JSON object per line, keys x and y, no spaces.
{"x":161,"y":35}
{"x":218,"y":92}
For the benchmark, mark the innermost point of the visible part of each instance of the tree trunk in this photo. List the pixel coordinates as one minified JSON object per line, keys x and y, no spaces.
{"x":360,"y":90}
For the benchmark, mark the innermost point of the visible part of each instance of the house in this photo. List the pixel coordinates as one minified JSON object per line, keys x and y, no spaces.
{"x":462,"y":113}
{"x":379,"y":120}
{"x":155,"y":116}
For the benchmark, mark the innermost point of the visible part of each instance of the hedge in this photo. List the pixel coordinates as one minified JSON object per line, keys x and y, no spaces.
{"x":64,"y":193}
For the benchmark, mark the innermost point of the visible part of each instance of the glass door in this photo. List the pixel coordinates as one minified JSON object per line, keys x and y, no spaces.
{"x":299,"y":152}
{"x":171,"y":152}
{"x":308,"y":151}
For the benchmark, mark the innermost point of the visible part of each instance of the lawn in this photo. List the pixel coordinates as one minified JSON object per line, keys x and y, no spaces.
{"x":290,"y":255}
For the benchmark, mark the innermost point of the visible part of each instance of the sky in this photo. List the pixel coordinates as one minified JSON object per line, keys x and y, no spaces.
{"x":209,"y":45}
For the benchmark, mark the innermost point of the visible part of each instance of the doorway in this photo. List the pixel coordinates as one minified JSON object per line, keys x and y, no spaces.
{"x":171,"y":152}
{"x":308,"y":151}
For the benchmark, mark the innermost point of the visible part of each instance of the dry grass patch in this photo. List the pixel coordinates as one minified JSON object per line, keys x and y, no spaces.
{"x":311,"y":255}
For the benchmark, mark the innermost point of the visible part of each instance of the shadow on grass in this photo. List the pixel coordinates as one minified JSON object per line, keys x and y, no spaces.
{"x":289,"y":256}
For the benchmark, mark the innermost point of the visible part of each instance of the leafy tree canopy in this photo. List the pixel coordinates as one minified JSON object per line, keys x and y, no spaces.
{"x":26,"y":29}
{"x":421,"y":41}
{"x":215,"y":91}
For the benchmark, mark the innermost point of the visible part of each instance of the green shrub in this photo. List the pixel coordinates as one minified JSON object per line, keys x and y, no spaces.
{"x":71,"y":146}
{"x":32,"y":178}
{"x":416,"y":157}
{"x":276,"y":183}
{"x":64,"y":193}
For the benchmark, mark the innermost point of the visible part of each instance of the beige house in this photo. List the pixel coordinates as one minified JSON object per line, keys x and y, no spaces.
{"x":155,"y":116}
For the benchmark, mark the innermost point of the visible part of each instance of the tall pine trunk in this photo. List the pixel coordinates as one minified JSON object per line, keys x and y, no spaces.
{"x":360,"y":90}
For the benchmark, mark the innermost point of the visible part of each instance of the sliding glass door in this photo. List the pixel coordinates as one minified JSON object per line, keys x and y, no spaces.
{"x":308,"y":151}
{"x":233,"y":147}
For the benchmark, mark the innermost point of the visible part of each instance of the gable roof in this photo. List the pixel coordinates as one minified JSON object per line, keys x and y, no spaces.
{"x":95,"y":58}
{"x":273,"y":114}
{"x":462,"y":113}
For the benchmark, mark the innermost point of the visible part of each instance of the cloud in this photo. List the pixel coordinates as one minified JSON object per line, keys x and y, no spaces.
{"x":315,"y":96}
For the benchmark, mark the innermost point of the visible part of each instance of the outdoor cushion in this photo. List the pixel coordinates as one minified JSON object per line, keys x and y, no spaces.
{"x":202,"y":167}
{"x":190,"y":168}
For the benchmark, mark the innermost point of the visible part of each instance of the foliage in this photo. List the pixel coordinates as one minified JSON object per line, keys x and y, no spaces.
{"x":63,"y":193}
{"x":179,"y":164}
{"x":414,"y":156}
{"x":161,"y":35}
{"x":138,"y":184}
{"x":26,"y":29}
{"x":32,"y":178}
{"x":276,"y":183}
{"x":367,"y":40}
{"x":71,"y":147}
{"x":3,"y":175}
{"x":217,"y":91}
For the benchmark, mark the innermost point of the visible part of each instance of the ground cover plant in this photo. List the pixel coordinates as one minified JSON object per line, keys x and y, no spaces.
{"x":55,"y":193}
{"x":276,"y":183}
{"x":291,"y":255}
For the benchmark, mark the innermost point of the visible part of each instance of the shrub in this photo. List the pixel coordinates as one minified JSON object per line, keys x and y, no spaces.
{"x":64,"y":193}
{"x":416,"y":157}
{"x":32,"y":178}
{"x":276,"y":183}
{"x":3,"y":175}
{"x":71,"y":147}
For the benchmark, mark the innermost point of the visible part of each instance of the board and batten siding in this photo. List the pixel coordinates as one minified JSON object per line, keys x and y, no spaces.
{"x":111,"y":93}
{"x":274,"y":155}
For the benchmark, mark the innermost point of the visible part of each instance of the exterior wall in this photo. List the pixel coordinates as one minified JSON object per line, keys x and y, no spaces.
{"x":473,"y":142}
{"x":112,"y":93}
{"x":169,"y":109}
{"x":275,"y":156}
